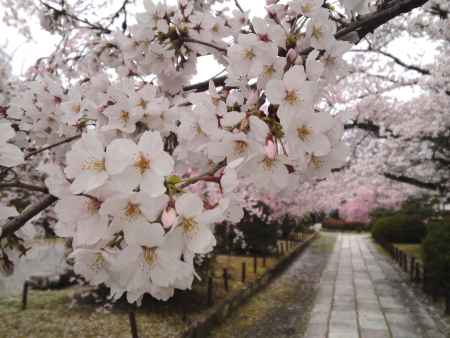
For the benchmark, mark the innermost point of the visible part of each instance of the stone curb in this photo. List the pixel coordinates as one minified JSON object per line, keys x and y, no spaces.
{"x":221,"y":311}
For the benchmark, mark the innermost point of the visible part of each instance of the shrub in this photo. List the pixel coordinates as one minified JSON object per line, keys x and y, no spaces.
{"x":342,"y":225}
{"x":399,"y":228}
{"x":436,"y":252}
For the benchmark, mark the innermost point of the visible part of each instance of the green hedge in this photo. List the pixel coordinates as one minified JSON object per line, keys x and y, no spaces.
{"x":436,"y":252}
{"x":399,"y":228}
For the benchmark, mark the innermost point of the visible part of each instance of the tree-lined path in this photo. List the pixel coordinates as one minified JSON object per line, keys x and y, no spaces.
{"x":361,"y":295}
{"x":341,"y":287}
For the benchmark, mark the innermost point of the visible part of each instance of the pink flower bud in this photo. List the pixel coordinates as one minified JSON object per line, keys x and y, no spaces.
{"x":291,"y":55}
{"x":168,"y":217}
{"x":270,"y":149}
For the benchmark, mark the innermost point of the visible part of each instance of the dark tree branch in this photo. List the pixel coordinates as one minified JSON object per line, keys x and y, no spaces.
{"x":396,"y":59}
{"x":16,"y":223}
{"x":436,"y":186}
{"x":67,"y":140}
{"x":204,"y":85}
{"x":369,"y":22}
{"x":371,"y":127}
{"x":22,"y":185}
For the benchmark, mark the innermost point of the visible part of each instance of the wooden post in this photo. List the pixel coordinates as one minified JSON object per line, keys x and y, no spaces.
{"x":244,"y":268}
{"x":447,"y":301}
{"x":225,"y":279}
{"x":210,"y":291}
{"x":133,"y":325}
{"x":417,"y":277}
{"x":264,"y":261}
{"x":255,"y":264}
{"x":405,"y":262}
{"x":25,"y":295}
{"x":412,"y":267}
{"x":425,"y":280}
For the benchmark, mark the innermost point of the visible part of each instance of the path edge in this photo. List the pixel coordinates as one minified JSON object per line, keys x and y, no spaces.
{"x":225,"y":309}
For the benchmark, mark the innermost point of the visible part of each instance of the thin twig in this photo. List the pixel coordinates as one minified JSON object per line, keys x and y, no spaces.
{"x":203,"y":176}
{"x":220,"y":49}
{"x":67,"y":140}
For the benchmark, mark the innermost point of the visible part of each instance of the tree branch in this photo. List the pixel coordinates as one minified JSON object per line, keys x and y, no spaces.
{"x":207,"y":175}
{"x":396,"y":59}
{"x":366,"y":24}
{"x":369,"y":22}
{"x":436,"y":186}
{"x":67,"y":140}
{"x":16,"y":223}
{"x":371,"y":127}
{"x":25,"y":186}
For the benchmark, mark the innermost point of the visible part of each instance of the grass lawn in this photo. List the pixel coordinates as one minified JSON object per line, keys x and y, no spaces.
{"x":411,"y":249}
{"x":54,"y":314}
{"x":51,"y":314}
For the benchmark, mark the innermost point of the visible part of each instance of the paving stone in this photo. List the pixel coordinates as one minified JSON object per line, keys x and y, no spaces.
{"x":368,"y":333}
{"x":362,"y":293}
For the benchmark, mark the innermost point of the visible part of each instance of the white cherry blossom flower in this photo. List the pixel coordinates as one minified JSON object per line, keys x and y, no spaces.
{"x":321,"y":30}
{"x":145,"y":164}
{"x":193,"y":232}
{"x":294,"y":94}
{"x":86,"y":164}
{"x":10,"y":155}
{"x":136,"y":215}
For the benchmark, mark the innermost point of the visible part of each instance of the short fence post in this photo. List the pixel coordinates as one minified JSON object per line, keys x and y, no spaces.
{"x":405,"y":262}
{"x":244,"y":268}
{"x":210,"y":291}
{"x":264,"y":261}
{"x":447,"y":301}
{"x":25,"y":295}
{"x":255,"y":264}
{"x":425,"y":280}
{"x":417,"y":277}
{"x":133,"y":325}
{"x":413,"y":264}
{"x":225,"y":279}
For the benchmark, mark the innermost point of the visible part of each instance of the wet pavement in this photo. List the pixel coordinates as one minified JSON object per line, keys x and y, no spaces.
{"x":362,"y":295}
{"x":342,"y":286}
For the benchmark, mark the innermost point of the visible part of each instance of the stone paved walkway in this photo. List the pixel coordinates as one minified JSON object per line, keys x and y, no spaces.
{"x":361,"y":295}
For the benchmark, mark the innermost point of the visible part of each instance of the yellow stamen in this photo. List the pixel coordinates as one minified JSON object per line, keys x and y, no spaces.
{"x":189,"y":225}
{"x":142,"y":163}
{"x":306,"y":8}
{"x":95,"y":165}
{"x":125,"y":116}
{"x":303,"y":133}
{"x":240,"y":146}
{"x":317,"y":32}
{"x":150,"y":255}
{"x":142,"y":103}
{"x":269,"y":70}
{"x":291,"y":97}
{"x":249,"y":54}
{"x":132,"y":210}
{"x":268,"y":163}
{"x":316,"y":162}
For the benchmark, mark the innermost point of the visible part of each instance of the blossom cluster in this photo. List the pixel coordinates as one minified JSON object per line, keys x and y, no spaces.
{"x":140,"y":138}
